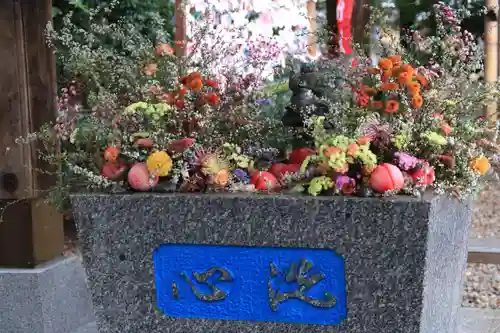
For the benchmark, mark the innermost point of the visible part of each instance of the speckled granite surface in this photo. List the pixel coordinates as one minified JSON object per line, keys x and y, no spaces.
{"x":404,"y":257}
{"x":51,"y":298}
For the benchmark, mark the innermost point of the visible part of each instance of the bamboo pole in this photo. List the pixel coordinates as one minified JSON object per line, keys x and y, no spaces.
{"x":491,"y":56}
{"x":312,"y":39}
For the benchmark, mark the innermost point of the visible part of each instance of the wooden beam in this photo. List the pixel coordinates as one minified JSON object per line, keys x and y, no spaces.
{"x":31,"y":232}
{"x":484,"y":251}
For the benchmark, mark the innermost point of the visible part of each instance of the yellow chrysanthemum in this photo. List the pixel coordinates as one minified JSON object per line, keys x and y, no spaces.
{"x":480,"y":164}
{"x":159,"y":163}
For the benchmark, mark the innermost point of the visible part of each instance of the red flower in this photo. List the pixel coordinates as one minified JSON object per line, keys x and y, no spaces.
{"x":111,"y":154}
{"x":163,"y":49}
{"x":212,"y":99}
{"x":180,"y":103}
{"x":363,"y":99}
{"x":423,"y":175}
{"x":212,"y":83}
{"x":182,"y":91}
{"x":300,"y":154}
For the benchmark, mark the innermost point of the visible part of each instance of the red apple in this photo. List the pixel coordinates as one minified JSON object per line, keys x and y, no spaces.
{"x":264,"y":181}
{"x":179,"y":146}
{"x":144,"y":143}
{"x":386,"y":177}
{"x":112,"y":171}
{"x":423,"y":175}
{"x":300,"y":154}
{"x":140,"y":179}
{"x":281,"y":169}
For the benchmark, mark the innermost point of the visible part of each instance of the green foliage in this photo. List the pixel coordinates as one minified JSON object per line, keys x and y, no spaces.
{"x":148,"y":20}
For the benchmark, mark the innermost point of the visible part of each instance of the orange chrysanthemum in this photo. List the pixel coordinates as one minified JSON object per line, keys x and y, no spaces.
{"x":332,"y":151}
{"x":396,"y":71}
{"x":414,"y":88}
{"x":404,"y":78}
{"x":195,"y":85}
{"x":388,"y":86}
{"x":422,"y":80}
{"x":417,"y":101}
{"x":391,"y":106}
{"x":408,"y":69}
{"x":221,"y":178}
{"x":352,"y":149}
{"x":386,"y":75}
{"x":373,"y":70}
{"x":385,"y":64}
{"x":194,"y":76}
{"x":396,"y":60}
{"x":363,"y":140}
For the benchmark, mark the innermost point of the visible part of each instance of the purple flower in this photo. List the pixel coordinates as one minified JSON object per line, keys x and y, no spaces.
{"x":345,"y":184}
{"x":405,"y":161}
{"x":264,"y":101}
{"x":242,"y":176}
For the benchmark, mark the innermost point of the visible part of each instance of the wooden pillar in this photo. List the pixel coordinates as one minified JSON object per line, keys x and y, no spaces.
{"x":180,"y":28}
{"x":31,"y":232}
{"x":491,"y":55}
{"x":360,"y":17}
{"x":312,"y":42}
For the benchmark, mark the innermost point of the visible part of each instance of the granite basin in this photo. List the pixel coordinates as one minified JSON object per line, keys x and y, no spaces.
{"x":399,"y":262}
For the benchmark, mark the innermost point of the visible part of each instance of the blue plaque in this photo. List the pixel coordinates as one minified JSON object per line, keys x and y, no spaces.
{"x":292,"y":285}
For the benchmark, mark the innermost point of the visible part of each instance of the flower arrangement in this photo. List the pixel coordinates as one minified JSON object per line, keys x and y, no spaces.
{"x":399,"y":144}
{"x":395,"y":127}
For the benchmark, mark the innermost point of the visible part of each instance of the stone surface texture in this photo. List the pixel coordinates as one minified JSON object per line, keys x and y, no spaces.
{"x":52,"y":298}
{"x":404,"y":257}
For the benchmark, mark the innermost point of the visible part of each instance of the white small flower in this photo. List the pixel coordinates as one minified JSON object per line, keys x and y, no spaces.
{"x":72,"y":137}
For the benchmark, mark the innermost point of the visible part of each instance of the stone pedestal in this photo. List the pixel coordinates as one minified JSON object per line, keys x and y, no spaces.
{"x":51,"y":298}
{"x":210,"y":263}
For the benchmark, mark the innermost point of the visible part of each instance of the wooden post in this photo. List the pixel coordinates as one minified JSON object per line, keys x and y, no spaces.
{"x":360,"y":17}
{"x":312,"y":40}
{"x":491,"y":56}
{"x":331,"y":21}
{"x":31,"y":232}
{"x":180,"y":28}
